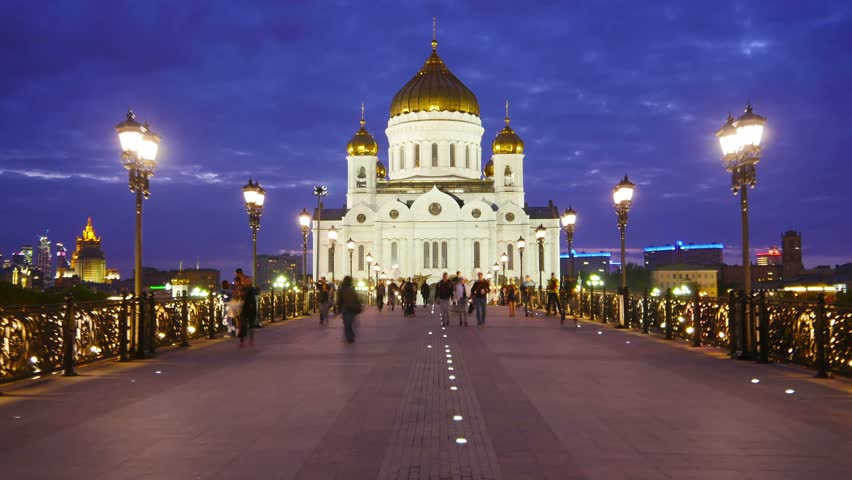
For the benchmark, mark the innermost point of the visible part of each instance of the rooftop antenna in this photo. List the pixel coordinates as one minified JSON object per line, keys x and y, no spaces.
{"x":507,"y":111}
{"x":434,"y":33}
{"x":362,"y":114}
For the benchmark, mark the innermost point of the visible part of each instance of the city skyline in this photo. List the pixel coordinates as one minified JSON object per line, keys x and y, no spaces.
{"x":245,"y":96}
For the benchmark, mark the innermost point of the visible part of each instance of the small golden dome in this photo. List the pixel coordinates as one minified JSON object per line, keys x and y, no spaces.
{"x":489,"y":169}
{"x":434,"y":88}
{"x":362,"y":143}
{"x":507,"y":140}
{"x":381,"y":173}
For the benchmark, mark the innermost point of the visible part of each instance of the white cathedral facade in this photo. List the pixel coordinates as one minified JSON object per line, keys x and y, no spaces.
{"x":435,"y":208}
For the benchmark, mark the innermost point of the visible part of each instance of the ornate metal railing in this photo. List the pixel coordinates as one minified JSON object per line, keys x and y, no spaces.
{"x":804,"y":332}
{"x":35,"y":340}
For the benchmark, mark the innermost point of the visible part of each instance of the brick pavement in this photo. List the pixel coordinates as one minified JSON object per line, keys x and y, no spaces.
{"x":536,"y":401}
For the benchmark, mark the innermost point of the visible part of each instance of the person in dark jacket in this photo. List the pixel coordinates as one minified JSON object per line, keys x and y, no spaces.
{"x":479,"y":293}
{"x":443,"y":297}
{"x":349,"y":307}
{"x":380,"y":295}
{"x":424,"y":292}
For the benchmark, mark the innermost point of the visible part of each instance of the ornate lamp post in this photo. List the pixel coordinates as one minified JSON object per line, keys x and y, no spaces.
{"x":305,"y":225}
{"x":369,"y":259}
{"x":740,"y":142}
{"x":350,"y":245}
{"x":319,"y":192}
{"x":522,"y":245}
{"x":254,"y":197}
{"x":139,"y":146}
{"x":569,"y":219}
{"x":332,"y":239}
{"x":540,"y":233}
{"x":376,"y":269}
{"x":504,"y":259}
{"x":622,"y":197}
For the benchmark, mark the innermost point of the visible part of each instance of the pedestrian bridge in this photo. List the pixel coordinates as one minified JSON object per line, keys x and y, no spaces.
{"x":520,"y":398}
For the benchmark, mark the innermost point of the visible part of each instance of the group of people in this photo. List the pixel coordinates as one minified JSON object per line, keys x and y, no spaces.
{"x":465,"y":300}
{"x":240,"y":300}
{"x":405,"y":293}
{"x":325,"y":299}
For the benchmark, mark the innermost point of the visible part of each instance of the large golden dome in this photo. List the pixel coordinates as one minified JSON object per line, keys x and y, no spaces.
{"x":434,"y":88}
{"x":362,"y":143}
{"x":507,"y":140}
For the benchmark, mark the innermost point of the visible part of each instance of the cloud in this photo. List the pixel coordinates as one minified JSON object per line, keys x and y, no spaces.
{"x":751,"y":47}
{"x":41,"y":174}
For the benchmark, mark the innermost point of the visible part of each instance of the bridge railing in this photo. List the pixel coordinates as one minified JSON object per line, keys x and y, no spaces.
{"x":812,"y":333}
{"x":45,"y":339}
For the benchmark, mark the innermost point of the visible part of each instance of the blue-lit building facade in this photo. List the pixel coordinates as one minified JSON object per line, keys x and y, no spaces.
{"x":599,"y":262}
{"x":704,"y":254}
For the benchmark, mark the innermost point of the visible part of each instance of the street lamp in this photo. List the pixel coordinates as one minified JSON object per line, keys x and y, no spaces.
{"x":522,"y":245}
{"x":569,"y":220}
{"x":369,"y":259}
{"x":540,"y":233}
{"x":254,"y":197}
{"x":305,"y":225}
{"x":350,"y":245}
{"x":504,"y":259}
{"x":139,"y":147}
{"x":622,"y":197}
{"x":319,"y":192}
{"x":740,"y":142}
{"x":376,"y":269}
{"x":332,"y":239}
{"x":593,"y":281}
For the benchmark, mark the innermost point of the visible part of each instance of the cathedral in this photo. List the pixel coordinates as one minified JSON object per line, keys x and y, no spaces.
{"x":435,"y":208}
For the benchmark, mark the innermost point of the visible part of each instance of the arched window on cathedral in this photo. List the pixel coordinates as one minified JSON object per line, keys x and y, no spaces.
{"x":467,"y":156}
{"x":416,"y":155}
{"x":360,"y":258}
{"x":452,"y":154}
{"x":444,"y":254}
{"x":425,"y":254}
{"x":435,"y":255}
{"x":476,"y":255}
{"x":434,"y":154}
{"x":394,"y":253}
{"x":510,"y":252}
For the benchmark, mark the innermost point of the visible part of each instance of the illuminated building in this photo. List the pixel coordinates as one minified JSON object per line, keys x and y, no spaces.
{"x":112,"y":275}
{"x":43,"y":260}
{"x":63,"y":266}
{"x":179,"y":284}
{"x":769,"y":257}
{"x":586,"y":262}
{"x":791,"y":253}
{"x":435,"y":205}
{"x":270,"y":267}
{"x":24,"y":256}
{"x":707,"y":254}
{"x":88,"y":260}
{"x":673,"y":276}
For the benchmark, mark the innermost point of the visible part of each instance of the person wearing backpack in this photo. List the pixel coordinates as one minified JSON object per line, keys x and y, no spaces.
{"x":349,"y":306}
{"x":443,"y":297}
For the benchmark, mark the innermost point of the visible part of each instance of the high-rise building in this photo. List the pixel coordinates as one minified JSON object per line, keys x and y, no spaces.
{"x":88,"y":259}
{"x":791,"y":253}
{"x":270,"y":267}
{"x":63,"y":267}
{"x":43,"y":260}
{"x":770,"y":257}
{"x":705,"y":254}
{"x":24,"y":256}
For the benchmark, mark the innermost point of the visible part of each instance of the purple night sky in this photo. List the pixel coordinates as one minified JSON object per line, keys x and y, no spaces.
{"x":273,"y":90}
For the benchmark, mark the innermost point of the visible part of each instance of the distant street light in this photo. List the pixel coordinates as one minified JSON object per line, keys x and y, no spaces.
{"x":740,"y":142}
{"x":350,"y":245}
{"x":305,"y":226}
{"x":254,"y":197}
{"x":569,"y":219}
{"x":504,"y":259}
{"x":139,"y":147}
{"x":622,"y":197}
{"x":522,"y":246}
{"x":332,"y":239}
{"x":540,"y":233}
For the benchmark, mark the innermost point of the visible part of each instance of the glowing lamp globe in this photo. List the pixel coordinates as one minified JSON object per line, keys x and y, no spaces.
{"x":332,"y":234}
{"x":130,"y":134}
{"x":305,"y":219}
{"x":569,"y":217}
{"x":623,"y":192}
{"x":750,"y":128}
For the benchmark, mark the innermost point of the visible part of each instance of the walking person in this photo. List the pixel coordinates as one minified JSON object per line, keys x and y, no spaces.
{"x":349,"y":307}
{"x":237,"y":305}
{"x":230,"y":322}
{"x":393,"y":293}
{"x":511,"y":297}
{"x":409,"y":297}
{"x":553,"y":297}
{"x":322,"y":298}
{"x":443,"y":297}
{"x":479,"y":293}
{"x":249,"y":296}
{"x":424,"y":292}
{"x":380,"y":295}
{"x":527,"y":288}
{"x":462,"y":299}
